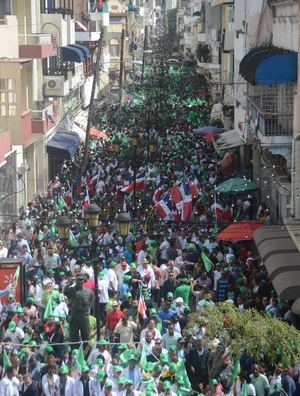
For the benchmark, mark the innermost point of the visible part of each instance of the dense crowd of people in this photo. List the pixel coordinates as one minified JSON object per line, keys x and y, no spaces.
{"x":149,"y":281}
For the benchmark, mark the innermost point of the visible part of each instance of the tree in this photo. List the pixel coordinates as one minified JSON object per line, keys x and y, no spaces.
{"x":259,"y":335}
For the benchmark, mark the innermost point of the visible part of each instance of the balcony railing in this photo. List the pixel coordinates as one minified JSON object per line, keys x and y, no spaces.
{"x":64,"y":7}
{"x":268,"y":123}
{"x":37,"y":39}
{"x":37,"y":45}
{"x":43,"y":119}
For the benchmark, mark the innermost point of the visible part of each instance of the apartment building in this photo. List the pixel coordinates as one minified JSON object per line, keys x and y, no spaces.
{"x":48,"y":50}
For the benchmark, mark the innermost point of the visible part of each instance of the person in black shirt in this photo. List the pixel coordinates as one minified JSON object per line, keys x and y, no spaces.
{"x":169,"y":285}
{"x":135,"y":281}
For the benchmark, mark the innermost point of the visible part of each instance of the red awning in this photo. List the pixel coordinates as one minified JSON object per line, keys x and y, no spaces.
{"x":241,"y":231}
{"x":98,"y":134}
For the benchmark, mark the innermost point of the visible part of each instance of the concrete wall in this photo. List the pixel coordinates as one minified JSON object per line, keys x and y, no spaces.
{"x":9,"y":42}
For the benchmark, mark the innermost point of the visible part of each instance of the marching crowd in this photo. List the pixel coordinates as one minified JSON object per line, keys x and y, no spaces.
{"x":149,"y":281}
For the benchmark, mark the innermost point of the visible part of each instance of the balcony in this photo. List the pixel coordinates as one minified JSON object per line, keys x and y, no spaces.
{"x":43,"y":119}
{"x":63,"y":26}
{"x":270,"y":113}
{"x":87,"y":36}
{"x":37,"y":46}
{"x":63,"y":7}
{"x":26,"y":126}
{"x":5,"y":142}
{"x":76,"y":76}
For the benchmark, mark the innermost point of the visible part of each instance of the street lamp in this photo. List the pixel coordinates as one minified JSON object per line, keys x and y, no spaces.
{"x":116,"y":145}
{"x":63,"y":224}
{"x":124,"y":220}
{"x":134,"y":139}
{"x":153,"y":147}
{"x":92,"y":215}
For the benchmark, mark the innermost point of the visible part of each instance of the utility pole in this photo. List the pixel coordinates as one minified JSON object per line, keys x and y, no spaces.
{"x":91,"y":106}
{"x":133,"y":65}
{"x":121,"y":77}
{"x":144,"y":55}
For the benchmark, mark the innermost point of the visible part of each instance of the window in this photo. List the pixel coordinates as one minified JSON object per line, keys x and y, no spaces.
{"x":8,"y":97}
{"x":114,"y":49}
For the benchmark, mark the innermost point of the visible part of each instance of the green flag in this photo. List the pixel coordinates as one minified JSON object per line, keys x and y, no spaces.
{"x":80,"y":357}
{"x":60,"y":204}
{"x":143,"y":357}
{"x":215,"y":229}
{"x":72,"y":240}
{"x":48,"y":311}
{"x":6,"y":359}
{"x":207,"y":263}
{"x":236,"y":372}
{"x":181,"y":371}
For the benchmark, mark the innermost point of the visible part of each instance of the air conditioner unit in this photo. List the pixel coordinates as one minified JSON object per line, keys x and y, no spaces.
{"x":55,"y":86}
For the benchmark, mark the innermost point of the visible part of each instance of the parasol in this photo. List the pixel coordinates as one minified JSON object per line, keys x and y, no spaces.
{"x":241,"y":231}
{"x":233,"y":186}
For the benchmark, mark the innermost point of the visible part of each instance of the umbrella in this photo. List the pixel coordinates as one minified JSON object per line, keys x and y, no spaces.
{"x":210,"y":137}
{"x":241,"y":231}
{"x":98,"y":134}
{"x":233,"y":186}
{"x":207,"y":129}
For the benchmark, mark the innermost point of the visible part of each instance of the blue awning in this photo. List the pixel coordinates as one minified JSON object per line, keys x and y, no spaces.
{"x":63,"y":145}
{"x":72,"y":54}
{"x":269,"y":65}
{"x":86,"y":52}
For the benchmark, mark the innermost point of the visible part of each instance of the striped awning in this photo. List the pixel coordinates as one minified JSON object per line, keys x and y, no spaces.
{"x":281,"y":259}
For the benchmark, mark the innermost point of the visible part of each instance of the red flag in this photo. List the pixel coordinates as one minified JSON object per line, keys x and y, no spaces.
{"x":79,"y":188}
{"x":69,"y":197}
{"x":142,"y":307}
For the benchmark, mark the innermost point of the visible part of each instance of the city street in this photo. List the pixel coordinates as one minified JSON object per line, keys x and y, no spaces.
{"x":149,"y":198}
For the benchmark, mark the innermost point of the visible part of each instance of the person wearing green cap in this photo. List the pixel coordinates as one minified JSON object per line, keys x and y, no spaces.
{"x":183,"y":291}
{"x":14,"y":333}
{"x":101,"y":349}
{"x":135,"y":281}
{"x":85,"y":385}
{"x":65,"y":384}
{"x":121,"y":384}
{"x":133,"y":372}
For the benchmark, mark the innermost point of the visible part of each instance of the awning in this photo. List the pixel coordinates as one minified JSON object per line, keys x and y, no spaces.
{"x":63,"y":145}
{"x":229,"y":139}
{"x":218,"y":2}
{"x":269,"y":65}
{"x":86,"y":52}
{"x":281,"y":259}
{"x":81,"y":26}
{"x":72,"y":54}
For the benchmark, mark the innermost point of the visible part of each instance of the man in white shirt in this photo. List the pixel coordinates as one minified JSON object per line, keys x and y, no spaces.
{"x":103,"y":285}
{"x":14,"y":333}
{"x":170,"y":337}
{"x":146,"y":272}
{"x":9,"y":384}
{"x":112,"y":277}
{"x":164,"y":246}
{"x":3,"y":250}
{"x":124,"y":267}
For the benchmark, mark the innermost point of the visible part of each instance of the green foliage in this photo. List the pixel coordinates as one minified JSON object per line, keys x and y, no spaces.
{"x":251,"y":331}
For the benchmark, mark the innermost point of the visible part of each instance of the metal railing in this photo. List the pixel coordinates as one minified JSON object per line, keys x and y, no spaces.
{"x":269,"y":123}
{"x":37,"y":39}
{"x":43,"y":114}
